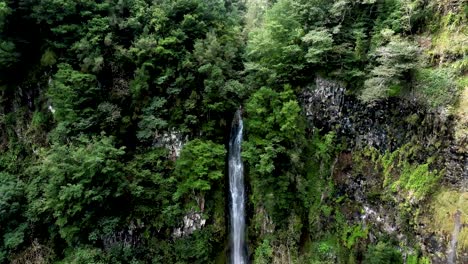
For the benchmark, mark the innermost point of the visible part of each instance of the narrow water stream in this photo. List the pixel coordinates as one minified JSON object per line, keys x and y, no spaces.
{"x":236,"y":188}
{"x":452,"y":252}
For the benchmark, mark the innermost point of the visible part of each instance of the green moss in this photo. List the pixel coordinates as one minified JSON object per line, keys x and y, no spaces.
{"x":400,"y":175}
{"x":416,"y":180}
{"x":436,"y":87}
{"x":38,"y":119}
{"x":48,"y":58}
{"x":351,"y":234}
{"x":382,"y":253}
{"x":263,"y":253}
{"x":414,"y":259}
{"x":412,"y":119}
{"x":450,"y":33}
{"x":440,"y":218}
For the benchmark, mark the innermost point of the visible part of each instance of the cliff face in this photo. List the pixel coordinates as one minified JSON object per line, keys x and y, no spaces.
{"x":369,"y":178}
{"x":388,"y":125}
{"x":114,"y":130}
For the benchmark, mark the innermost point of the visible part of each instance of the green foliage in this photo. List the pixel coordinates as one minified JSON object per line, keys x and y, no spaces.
{"x":437,"y":87}
{"x":134,"y":70}
{"x":413,"y":181}
{"x":49,"y":58}
{"x":8,"y":54}
{"x":325,"y":147}
{"x":11,"y":194}
{"x":413,"y":259}
{"x":15,"y":238}
{"x":152,"y":122}
{"x":5,"y":10}
{"x":74,"y":183}
{"x":317,"y":180}
{"x":382,"y":253}
{"x":417,"y":181}
{"x":396,"y":62}
{"x":72,"y":72}
{"x":275,"y":130}
{"x":319,"y":41}
{"x":216,"y":57}
{"x":84,"y":255}
{"x":327,"y":251}
{"x":449,"y":33}
{"x":71,"y":94}
{"x":274,"y":49}
{"x":199,"y":167}
{"x":149,"y":187}
{"x":12,"y":204}
{"x":195,"y":249}
{"x":351,"y":234}
{"x":263,"y":253}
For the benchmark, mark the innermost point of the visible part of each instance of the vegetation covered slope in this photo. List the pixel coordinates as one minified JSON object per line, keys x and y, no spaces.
{"x":115,"y":116}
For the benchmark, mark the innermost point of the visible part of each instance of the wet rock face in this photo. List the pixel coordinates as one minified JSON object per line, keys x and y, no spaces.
{"x":191,"y":222}
{"x":328,"y":107}
{"x":172,"y":140}
{"x":128,"y":237}
{"x":324,"y":101}
{"x":387,"y":125}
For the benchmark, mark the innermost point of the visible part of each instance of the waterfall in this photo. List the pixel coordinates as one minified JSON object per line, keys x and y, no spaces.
{"x":236,"y":188}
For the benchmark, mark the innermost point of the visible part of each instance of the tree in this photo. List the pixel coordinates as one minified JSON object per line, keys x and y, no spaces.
{"x":75,"y":184}
{"x":382,"y":253}
{"x":272,"y":150}
{"x":319,"y":41}
{"x":199,"y":167}
{"x":151,"y":188}
{"x":12,"y":221}
{"x":274,"y":50}
{"x":219,"y":65}
{"x":396,"y":62}
{"x":73,"y":96}
{"x":152,"y":121}
{"x":8,"y":53}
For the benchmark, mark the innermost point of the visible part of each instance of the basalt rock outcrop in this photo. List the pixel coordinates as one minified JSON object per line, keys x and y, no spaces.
{"x":386,"y":126}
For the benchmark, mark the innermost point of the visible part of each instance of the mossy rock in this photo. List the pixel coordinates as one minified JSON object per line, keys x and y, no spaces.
{"x":441,"y":218}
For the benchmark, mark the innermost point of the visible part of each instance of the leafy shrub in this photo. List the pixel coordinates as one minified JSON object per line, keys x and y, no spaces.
{"x":382,"y":253}
{"x":84,"y":255}
{"x":152,"y":120}
{"x":436,"y":87}
{"x":395,"y":63}
{"x":73,"y":96}
{"x":13,"y":231}
{"x":416,"y":180}
{"x":74,"y":183}
{"x":263,"y":253}
{"x":275,"y":141}
{"x":200,"y":165}
{"x":351,"y":234}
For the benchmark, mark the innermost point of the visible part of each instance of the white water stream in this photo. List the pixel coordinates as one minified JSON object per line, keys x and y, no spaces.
{"x":236,"y":188}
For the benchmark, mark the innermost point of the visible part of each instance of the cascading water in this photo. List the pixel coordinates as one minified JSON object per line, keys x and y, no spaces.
{"x":236,"y":187}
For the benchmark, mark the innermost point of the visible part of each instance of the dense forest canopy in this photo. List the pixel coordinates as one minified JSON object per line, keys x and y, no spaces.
{"x":115,"y":117}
